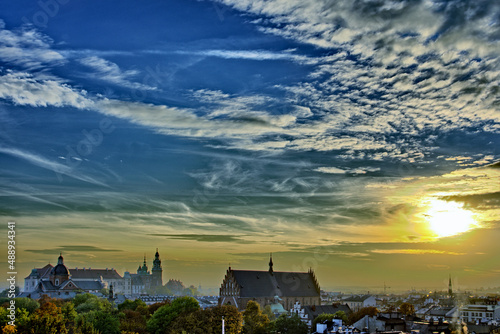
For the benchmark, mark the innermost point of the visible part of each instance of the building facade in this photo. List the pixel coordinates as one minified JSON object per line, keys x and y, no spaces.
{"x":143,"y":280}
{"x":240,"y":286}
{"x":58,"y":283}
{"x":131,"y":284}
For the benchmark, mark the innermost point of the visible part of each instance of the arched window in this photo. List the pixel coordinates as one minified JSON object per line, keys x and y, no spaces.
{"x":57,"y":281}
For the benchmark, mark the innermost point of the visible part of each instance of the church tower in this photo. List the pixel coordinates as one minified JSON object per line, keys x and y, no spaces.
{"x":450,"y":289}
{"x":271,"y":270}
{"x":157,"y":271}
{"x":59,"y":274}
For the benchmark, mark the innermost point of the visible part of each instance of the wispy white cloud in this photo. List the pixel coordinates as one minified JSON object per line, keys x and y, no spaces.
{"x":111,"y":72}
{"x":27,"y":48}
{"x":40,"y":91}
{"x":42,"y":162}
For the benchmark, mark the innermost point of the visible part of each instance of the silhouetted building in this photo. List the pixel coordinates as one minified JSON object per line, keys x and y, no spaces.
{"x":240,"y":286}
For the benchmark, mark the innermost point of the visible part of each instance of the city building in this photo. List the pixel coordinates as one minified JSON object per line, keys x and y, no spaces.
{"x":480,"y":313}
{"x":355,"y":303}
{"x":144,"y":280}
{"x":58,"y":283}
{"x":240,"y":286}
{"x":131,"y":284}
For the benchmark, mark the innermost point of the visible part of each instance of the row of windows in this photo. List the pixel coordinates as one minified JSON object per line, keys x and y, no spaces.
{"x":477,"y":314}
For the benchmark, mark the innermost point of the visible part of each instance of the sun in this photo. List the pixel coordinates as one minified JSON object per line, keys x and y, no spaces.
{"x":448,"y":218}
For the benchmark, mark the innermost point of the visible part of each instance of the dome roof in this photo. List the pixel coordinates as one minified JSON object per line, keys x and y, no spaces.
{"x":60,"y":269}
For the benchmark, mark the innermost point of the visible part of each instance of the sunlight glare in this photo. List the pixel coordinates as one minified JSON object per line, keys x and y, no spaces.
{"x":448,"y":218}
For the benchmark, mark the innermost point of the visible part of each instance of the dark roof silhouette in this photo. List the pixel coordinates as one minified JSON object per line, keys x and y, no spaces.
{"x":42,"y":272}
{"x":83,"y":273}
{"x":269,"y":284}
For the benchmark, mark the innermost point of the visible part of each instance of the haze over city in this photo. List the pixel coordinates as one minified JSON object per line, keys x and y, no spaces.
{"x":357,"y":138}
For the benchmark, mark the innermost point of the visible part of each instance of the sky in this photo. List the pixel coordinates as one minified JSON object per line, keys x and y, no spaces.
{"x":357,"y":138}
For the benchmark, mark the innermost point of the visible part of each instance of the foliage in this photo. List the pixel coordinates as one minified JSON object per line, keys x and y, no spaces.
{"x":131,"y":305}
{"x":191,"y":291}
{"x":254,"y":321}
{"x":361,"y":313}
{"x":28,"y":304}
{"x":48,"y":319}
{"x":290,"y":325}
{"x":9,"y":329}
{"x":269,"y":312}
{"x":153,"y":307}
{"x":68,"y":311}
{"x":132,"y":321}
{"x":103,"y":321}
{"x":160,"y":290}
{"x":161,"y":319}
{"x":88,"y":302}
{"x":407,"y":309}
{"x":328,"y":316}
{"x":175,"y":286}
{"x":209,"y":321}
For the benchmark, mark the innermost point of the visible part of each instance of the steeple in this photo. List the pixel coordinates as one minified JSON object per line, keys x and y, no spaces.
{"x":450,"y":289}
{"x":271,"y":263}
{"x":157,"y":270}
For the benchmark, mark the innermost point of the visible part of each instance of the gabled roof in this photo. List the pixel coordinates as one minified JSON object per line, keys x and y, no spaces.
{"x":46,"y":285}
{"x":79,"y":273}
{"x":357,"y":299}
{"x":43,"y":272}
{"x":266,"y":284}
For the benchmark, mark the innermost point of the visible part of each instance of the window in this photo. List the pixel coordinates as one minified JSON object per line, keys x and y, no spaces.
{"x":57,"y":281}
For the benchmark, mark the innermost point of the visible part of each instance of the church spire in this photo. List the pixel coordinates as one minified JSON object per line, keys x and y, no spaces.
{"x":450,"y":289}
{"x":271,"y":263}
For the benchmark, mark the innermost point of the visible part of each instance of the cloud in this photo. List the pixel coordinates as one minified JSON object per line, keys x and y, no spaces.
{"x":330,"y":170}
{"x":73,"y":248}
{"x":27,"y":48}
{"x":259,"y":55}
{"x":111,"y":72}
{"x":40,"y":91}
{"x":56,"y":167}
{"x":205,"y":237}
{"x":413,"y":251}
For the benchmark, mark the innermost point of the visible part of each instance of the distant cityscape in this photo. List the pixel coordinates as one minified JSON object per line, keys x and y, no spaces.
{"x":280,"y":293}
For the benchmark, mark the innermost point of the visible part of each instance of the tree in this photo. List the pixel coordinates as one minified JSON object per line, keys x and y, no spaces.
{"x":175,"y":286}
{"x":102,"y":321}
{"x":290,"y":325}
{"x":131,"y":305}
{"x":209,"y":321}
{"x":407,"y":309}
{"x":329,"y":317}
{"x":361,"y":313}
{"x":161,"y":319}
{"x":254,"y":321}
{"x":88,"y":302}
{"x":132,"y":321}
{"x":9,"y":329}
{"x":48,"y":319}
{"x":269,"y":312}
{"x":28,"y":304}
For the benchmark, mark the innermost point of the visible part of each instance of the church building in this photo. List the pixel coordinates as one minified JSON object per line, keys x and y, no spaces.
{"x":56,"y":282}
{"x":240,"y":286}
{"x":144,"y":280}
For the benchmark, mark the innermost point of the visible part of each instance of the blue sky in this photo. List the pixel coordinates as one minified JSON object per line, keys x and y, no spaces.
{"x":326,"y":132}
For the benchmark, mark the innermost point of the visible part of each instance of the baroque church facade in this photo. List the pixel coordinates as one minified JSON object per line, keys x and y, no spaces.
{"x":61,"y":282}
{"x":266,"y":287}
